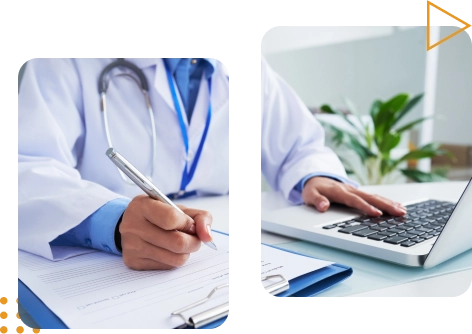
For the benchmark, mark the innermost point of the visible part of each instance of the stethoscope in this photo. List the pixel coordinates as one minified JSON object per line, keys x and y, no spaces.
{"x":142,"y":83}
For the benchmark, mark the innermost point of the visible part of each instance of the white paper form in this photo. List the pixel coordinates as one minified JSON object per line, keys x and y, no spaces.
{"x":278,"y":262}
{"x":97,"y":290}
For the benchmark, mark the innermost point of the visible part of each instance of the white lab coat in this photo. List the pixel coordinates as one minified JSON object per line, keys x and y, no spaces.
{"x":292,"y":143}
{"x":64,"y":174}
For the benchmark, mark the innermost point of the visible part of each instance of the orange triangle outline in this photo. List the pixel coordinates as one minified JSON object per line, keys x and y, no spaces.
{"x":428,"y":42}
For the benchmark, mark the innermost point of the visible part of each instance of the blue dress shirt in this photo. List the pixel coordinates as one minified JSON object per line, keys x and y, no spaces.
{"x":188,"y":74}
{"x":98,"y":230}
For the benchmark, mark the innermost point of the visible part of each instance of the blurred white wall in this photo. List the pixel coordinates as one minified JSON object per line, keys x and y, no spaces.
{"x":282,"y":39}
{"x":454,"y":90}
{"x":379,"y":65}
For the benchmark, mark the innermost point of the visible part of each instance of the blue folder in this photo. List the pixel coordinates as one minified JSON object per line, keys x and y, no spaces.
{"x":48,"y":320}
{"x":316,"y":281}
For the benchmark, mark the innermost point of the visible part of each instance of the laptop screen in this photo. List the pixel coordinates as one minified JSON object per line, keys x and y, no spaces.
{"x":456,"y":236}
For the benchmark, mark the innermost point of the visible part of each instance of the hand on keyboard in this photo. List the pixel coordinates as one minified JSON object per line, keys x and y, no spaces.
{"x":423,"y":221}
{"x":321,"y":191}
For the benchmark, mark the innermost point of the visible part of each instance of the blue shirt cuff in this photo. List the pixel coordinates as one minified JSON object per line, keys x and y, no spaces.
{"x":300,"y":185}
{"x":97,"y":230}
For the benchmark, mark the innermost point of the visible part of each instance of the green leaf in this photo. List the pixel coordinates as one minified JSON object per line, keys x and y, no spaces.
{"x":419,"y":176}
{"x":448,"y":154}
{"x":396,"y":103}
{"x":368,"y":136}
{"x":412,"y":124}
{"x":388,"y":142}
{"x":407,"y":108}
{"x":431,"y":146}
{"x":328,"y":109}
{"x":427,"y":151}
{"x":386,"y":115}
{"x":363,"y":152}
{"x":437,"y":148}
{"x":386,"y":166}
{"x":382,"y":125}
{"x":338,"y":136}
{"x":352,"y":108}
{"x":418,"y":154}
{"x":374,"y":110}
{"x":441,"y":171}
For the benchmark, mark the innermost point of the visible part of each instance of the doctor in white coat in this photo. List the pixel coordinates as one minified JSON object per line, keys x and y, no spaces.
{"x":295,"y":160}
{"x":65,"y":177}
{"x":70,"y":194}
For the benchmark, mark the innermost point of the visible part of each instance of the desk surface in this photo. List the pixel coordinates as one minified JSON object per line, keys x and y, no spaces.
{"x":378,"y":278}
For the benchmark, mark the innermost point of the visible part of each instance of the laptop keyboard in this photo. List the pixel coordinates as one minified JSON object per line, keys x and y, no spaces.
{"x":423,"y":221}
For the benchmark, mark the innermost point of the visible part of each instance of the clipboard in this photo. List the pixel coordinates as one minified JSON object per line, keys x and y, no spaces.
{"x":315,"y":282}
{"x":277,"y":287}
{"x":48,"y":320}
{"x":207,"y":319}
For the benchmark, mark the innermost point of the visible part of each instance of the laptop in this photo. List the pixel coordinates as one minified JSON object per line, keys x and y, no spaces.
{"x":432,"y":231}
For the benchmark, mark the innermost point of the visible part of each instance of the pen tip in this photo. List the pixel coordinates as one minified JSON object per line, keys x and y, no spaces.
{"x":211,"y":244}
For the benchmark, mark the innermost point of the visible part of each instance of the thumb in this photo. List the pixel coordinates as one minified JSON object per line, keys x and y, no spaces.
{"x":313,"y":197}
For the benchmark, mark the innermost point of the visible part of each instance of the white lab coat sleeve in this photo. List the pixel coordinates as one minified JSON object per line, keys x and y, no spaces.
{"x":292,"y":140}
{"x":52,"y":196}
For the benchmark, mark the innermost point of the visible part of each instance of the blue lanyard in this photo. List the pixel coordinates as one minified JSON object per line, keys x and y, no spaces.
{"x":187,"y":174}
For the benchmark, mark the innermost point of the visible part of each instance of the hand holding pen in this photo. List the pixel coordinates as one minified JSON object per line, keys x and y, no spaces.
{"x":155,"y":233}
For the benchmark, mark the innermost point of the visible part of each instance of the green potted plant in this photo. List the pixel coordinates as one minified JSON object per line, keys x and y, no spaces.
{"x":374,"y":141}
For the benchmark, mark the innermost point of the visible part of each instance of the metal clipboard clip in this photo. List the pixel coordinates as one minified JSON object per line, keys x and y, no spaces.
{"x":277,"y":287}
{"x":205,"y":317}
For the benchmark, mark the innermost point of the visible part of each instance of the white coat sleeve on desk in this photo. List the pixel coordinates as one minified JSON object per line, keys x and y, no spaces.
{"x":292,"y":144}
{"x":52,"y":196}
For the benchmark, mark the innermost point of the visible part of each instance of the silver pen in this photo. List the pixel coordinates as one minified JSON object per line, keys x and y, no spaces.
{"x":142,"y":182}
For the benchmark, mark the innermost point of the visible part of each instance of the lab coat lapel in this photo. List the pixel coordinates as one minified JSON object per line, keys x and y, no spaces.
{"x":219,"y":98}
{"x":220,"y":87}
{"x":199,"y":116}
